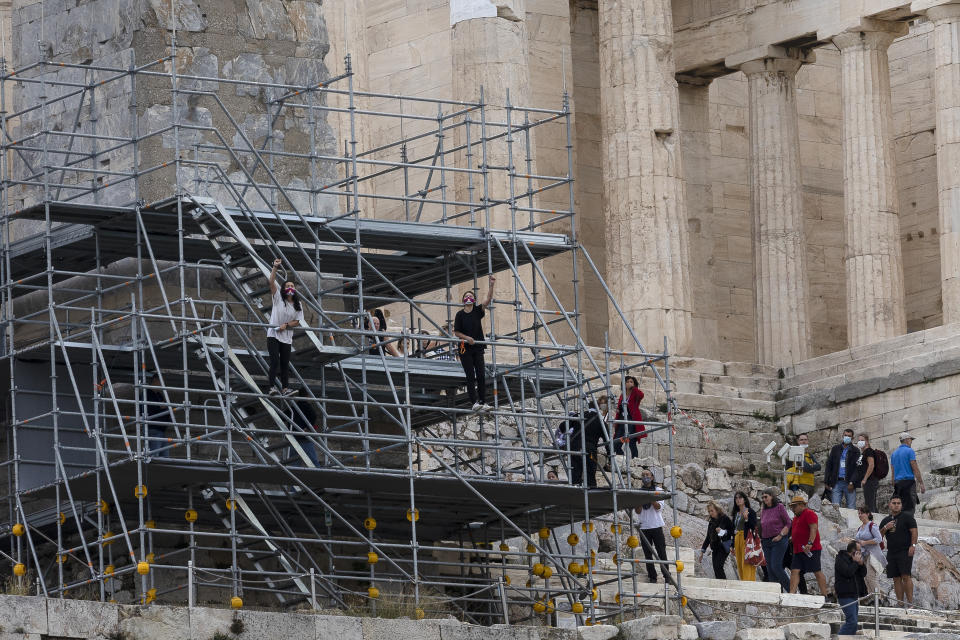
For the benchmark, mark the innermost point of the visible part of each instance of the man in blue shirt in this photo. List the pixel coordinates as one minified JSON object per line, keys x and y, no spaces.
{"x":906,"y":473}
{"x":840,"y":470}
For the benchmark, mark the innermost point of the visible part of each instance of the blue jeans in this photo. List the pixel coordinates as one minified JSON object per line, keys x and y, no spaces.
{"x":157,"y":442}
{"x":308,"y":448}
{"x":850,"y":607}
{"x":774,"y":552}
{"x":840,"y":490}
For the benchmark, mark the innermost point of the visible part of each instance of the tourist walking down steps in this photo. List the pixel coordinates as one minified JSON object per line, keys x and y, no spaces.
{"x":805,"y":539}
{"x":719,"y":539}
{"x":744,"y":522}
{"x":849,"y":571}
{"x":775,"y":536}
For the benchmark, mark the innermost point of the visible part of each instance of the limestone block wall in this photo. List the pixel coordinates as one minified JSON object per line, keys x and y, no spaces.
{"x":906,"y":383}
{"x":282,"y":41}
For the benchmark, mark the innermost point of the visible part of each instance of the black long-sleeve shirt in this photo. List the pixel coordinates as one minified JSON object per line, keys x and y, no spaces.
{"x":714,"y":540}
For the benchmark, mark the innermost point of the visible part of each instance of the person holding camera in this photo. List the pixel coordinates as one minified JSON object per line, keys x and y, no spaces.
{"x":800,"y":476}
{"x":850,"y":572}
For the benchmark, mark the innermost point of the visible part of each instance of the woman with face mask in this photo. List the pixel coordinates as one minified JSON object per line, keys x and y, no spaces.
{"x":864,"y":476}
{"x":285,"y":314}
{"x":649,"y":520}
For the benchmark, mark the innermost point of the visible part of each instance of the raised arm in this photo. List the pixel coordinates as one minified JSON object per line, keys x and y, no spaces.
{"x":489,"y":298}
{"x":273,"y":277}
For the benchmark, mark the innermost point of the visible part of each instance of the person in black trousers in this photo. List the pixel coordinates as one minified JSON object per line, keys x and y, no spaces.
{"x":592,"y":432}
{"x":719,"y":539}
{"x":304,"y":416}
{"x":849,"y":571}
{"x":286,"y":313}
{"x":159,"y":417}
{"x":468,"y":326}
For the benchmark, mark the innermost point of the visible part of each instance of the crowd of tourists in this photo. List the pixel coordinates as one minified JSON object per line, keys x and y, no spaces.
{"x":786,"y":547}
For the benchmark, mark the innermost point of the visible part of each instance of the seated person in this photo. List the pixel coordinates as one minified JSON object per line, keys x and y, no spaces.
{"x":379,"y":344}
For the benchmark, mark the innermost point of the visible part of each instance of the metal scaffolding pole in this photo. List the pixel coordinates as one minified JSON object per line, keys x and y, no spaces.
{"x":377,"y":481}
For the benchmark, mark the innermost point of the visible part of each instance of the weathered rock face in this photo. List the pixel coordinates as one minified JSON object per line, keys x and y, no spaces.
{"x":279,"y":41}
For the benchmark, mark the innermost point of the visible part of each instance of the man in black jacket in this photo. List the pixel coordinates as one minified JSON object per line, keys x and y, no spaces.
{"x":586,"y":440}
{"x":850,"y":571}
{"x":841,"y":464}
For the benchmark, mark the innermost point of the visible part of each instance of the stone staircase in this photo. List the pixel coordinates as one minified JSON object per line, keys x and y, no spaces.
{"x":901,"y":623}
{"x":739,"y":388}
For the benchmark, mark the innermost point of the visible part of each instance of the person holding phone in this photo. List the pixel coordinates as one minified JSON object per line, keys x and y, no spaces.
{"x":285,"y":314}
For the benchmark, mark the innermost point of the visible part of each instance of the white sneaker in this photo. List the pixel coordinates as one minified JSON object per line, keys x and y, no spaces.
{"x":476,"y":406}
{"x":486,"y":408}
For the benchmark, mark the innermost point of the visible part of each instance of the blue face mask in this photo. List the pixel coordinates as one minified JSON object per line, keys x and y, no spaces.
{"x":847,"y":439}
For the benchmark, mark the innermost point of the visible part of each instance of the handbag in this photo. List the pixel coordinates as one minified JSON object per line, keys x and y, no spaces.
{"x":753,"y":551}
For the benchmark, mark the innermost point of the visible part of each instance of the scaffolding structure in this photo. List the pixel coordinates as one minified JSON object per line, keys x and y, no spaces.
{"x":401,"y":488}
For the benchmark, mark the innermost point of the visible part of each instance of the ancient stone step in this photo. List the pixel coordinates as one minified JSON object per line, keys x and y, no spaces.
{"x":716,"y":389}
{"x":744,"y":382}
{"x":740,"y":406}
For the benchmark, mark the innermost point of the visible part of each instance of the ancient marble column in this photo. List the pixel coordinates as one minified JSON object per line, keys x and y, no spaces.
{"x":694,"y":94}
{"x":946,"y":44}
{"x":490,"y":51}
{"x":644,"y":202}
{"x":874,"y":266}
{"x":782,"y":318}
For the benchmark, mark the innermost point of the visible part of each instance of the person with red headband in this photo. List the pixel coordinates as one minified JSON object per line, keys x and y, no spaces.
{"x":468,"y":326}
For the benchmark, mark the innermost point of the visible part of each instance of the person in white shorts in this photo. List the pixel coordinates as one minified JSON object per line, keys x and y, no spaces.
{"x":286,"y":314}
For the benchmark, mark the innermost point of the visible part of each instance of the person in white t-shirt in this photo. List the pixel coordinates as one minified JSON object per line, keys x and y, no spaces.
{"x":649,"y":520}
{"x":286,"y":314}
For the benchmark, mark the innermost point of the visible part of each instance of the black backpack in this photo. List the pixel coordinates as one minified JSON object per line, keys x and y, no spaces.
{"x":881,"y":465}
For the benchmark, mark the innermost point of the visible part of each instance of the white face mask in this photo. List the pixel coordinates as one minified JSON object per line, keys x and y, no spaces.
{"x":861,"y":443}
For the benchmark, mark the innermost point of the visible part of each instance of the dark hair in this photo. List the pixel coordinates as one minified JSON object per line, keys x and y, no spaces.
{"x":848,"y":429}
{"x":895,"y":497}
{"x":866,"y":511}
{"x":378,"y":314}
{"x":852,"y":546}
{"x":636,"y":383}
{"x":295,"y":301}
{"x":774,"y":500}
{"x":746,"y":501}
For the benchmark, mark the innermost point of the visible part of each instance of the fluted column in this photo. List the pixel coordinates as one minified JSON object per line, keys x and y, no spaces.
{"x":779,"y":248}
{"x":874,"y":266}
{"x":694,"y":93}
{"x":946,"y":45}
{"x":489,"y":47}
{"x":644,"y":203}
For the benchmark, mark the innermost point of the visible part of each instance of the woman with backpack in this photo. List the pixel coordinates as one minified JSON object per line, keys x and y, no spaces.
{"x":871,"y":544}
{"x":872,"y":467}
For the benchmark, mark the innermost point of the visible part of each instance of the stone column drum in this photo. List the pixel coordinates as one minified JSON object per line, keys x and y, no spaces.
{"x":644,"y":203}
{"x":490,"y":51}
{"x":946,"y":38}
{"x":775,"y":195}
{"x":874,"y":266}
